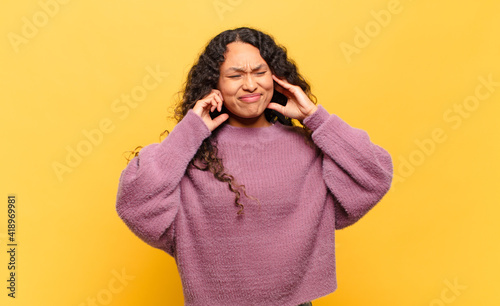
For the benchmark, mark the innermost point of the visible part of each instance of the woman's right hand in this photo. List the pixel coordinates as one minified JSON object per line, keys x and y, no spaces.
{"x":208,"y":104}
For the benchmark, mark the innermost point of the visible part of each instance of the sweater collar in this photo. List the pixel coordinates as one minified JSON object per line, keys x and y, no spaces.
{"x":234,"y":133}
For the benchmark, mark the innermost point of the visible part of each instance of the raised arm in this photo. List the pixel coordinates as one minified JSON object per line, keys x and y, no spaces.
{"x":149,"y":190}
{"x":148,"y":193}
{"x":357,"y":172}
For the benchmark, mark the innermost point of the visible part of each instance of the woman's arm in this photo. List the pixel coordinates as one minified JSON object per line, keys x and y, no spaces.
{"x":148,"y":194}
{"x":357,"y":172}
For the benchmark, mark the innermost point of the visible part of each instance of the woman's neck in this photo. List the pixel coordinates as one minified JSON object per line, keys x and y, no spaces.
{"x":255,"y":122}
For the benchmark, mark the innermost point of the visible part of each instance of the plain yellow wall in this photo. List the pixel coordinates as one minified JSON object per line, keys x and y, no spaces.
{"x":421,"y":77}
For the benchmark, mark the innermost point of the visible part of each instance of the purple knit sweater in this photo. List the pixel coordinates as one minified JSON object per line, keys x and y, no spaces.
{"x":279,"y":252}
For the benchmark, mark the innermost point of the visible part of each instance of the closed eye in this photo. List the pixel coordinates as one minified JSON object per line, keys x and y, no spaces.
{"x":237,"y":76}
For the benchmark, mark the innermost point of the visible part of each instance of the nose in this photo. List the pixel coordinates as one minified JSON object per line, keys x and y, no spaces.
{"x":249,"y":83}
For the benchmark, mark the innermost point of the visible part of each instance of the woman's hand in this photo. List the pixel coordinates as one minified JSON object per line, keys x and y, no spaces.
{"x":208,"y":104}
{"x":298,"y":106}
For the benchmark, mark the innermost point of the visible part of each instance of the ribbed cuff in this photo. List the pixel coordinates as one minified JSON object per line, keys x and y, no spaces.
{"x":196,"y":123}
{"x":188,"y":134}
{"x":317,"y":118}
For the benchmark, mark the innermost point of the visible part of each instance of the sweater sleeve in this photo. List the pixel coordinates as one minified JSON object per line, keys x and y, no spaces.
{"x":148,"y":196}
{"x":357,"y":172}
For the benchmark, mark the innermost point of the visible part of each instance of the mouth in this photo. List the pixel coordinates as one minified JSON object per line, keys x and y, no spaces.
{"x":250,"y":98}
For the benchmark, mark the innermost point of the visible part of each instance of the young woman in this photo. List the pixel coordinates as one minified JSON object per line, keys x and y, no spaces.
{"x":246,"y":202}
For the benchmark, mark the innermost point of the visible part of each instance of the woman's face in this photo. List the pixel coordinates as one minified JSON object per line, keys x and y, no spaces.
{"x":246,"y":85}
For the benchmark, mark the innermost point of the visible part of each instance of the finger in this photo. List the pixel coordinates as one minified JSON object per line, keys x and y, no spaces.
{"x":220,"y":119}
{"x":207,"y":101}
{"x":218,"y":99}
{"x":280,"y":89}
{"x":214,"y":103}
{"x":276,"y":78}
{"x":204,"y":105}
{"x":221,"y":102}
{"x":199,"y":107}
{"x":281,"y":82}
{"x":285,"y":88}
{"x":277,"y":107}
{"x":217,"y":92}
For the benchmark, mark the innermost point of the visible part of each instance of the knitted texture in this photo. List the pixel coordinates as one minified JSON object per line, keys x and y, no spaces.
{"x":281,"y":251}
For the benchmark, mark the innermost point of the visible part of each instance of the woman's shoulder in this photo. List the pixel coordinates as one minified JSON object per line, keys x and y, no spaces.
{"x":291,"y":129}
{"x":297,"y":132}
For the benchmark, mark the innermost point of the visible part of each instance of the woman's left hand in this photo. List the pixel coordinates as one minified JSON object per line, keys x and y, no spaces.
{"x":298,"y":106}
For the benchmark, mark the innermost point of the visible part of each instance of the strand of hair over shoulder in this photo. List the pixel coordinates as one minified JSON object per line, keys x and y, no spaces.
{"x":129,"y":155}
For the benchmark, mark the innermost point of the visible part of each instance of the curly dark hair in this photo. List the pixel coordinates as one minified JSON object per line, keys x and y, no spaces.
{"x":204,"y":76}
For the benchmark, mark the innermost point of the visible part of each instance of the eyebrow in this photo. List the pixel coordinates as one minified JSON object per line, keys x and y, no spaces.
{"x":241,"y":69}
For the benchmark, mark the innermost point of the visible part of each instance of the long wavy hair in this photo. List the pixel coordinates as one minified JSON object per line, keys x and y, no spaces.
{"x":204,"y":76}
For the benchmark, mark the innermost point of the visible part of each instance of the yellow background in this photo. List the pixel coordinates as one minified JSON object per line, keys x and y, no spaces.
{"x":404,"y":85}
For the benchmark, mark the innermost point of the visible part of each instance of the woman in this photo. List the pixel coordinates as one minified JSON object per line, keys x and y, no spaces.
{"x":245,"y":202}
